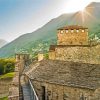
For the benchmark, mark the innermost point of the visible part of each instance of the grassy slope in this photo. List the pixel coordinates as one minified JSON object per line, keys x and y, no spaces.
{"x":5,"y":98}
{"x":8,"y":75}
{"x":5,"y":80}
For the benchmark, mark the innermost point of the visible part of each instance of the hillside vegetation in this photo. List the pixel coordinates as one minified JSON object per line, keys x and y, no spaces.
{"x":7,"y":66}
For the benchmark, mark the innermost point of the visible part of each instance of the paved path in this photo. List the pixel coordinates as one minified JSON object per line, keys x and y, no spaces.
{"x":26,"y":92}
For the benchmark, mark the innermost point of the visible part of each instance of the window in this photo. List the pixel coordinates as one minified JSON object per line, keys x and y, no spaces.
{"x":83,"y":31}
{"x":66,"y":31}
{"x":77,"y":30}
{"x":62,"y":32}
{"x":72,"y":31}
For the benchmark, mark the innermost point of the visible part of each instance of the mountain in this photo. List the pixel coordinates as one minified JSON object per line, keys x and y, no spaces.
{"x":40,"y":39}
{"x":2,"y":43}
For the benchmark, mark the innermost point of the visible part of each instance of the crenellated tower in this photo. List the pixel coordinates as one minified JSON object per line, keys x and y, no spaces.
{"x":21,"y":60}
{"x":73,"y":45}
{"x":72,"y":35}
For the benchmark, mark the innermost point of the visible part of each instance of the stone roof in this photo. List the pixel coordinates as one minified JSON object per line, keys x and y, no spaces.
{"x":67,"y":73}
{"x":72,"y":27}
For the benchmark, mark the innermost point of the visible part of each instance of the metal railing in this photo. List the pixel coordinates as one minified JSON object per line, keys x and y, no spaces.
{"x":33,"y":93}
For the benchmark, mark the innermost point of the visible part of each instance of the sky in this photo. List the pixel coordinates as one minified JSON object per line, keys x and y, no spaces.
{"x":18,"y":17}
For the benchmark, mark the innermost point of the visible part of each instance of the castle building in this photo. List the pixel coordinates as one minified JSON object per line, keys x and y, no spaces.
{"x":73,"y":45}
{"x":72,"y":71}
{"x":62,"y":80}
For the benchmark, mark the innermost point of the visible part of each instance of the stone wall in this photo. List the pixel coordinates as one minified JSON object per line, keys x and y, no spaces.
{"x":52,"y":55}
{"x":21,"y":60}
{"x":60,"y":92}
{"x":72,"y":37}
{"x":83,"y":54}
{"x":14,"y":88}
{"x":40,"y":56}
{"x":4,"y":87}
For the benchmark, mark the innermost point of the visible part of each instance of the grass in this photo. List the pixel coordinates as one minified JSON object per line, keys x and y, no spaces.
{"x":5,"y":98}
{"x":8,"y":75}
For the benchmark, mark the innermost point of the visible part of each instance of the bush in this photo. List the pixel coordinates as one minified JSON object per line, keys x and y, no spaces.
{"x":6,"y":66}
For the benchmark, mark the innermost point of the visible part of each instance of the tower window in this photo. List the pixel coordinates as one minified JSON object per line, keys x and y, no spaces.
{"x":77,"y":30}
{"x":62,"y":32}
{"x":83,"y":31}
{"x":72,"y":31}
{"x":66,"y":31}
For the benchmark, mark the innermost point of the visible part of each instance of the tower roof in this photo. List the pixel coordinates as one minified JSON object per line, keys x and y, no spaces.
{"x":72,"y":27}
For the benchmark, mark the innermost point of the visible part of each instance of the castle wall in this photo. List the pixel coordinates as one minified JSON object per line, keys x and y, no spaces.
{"x":52,"y":55}
{"x":21,"y":60}
{"x":83,"y":54}
{"x":60,"y":92}
{"x":14,"y":89}
{"x":72,"y":37}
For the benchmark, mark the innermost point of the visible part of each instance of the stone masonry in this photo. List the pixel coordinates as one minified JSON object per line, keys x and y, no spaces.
{"x":70,"y":49}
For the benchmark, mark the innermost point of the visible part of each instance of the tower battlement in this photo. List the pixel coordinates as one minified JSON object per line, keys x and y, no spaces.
{"x":72,"y":35}
{"x":22,"y":56}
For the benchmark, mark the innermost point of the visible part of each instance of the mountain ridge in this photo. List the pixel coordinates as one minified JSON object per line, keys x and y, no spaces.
{"x":2,"y":43}
{"x":49,"y":30}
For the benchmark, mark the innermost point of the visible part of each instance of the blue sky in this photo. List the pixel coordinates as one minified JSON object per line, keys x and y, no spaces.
{"x":18,"y":17}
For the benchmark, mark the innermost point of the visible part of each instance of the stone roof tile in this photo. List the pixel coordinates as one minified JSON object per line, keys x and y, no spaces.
{"x":67,"y":73}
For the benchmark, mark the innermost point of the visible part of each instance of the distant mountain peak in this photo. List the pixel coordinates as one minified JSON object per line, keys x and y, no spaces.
{"x":2,"y":43}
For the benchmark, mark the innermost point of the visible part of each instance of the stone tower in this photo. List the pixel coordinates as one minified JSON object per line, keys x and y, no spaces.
{"x":21,"y":60}
{"x":72,"y":35}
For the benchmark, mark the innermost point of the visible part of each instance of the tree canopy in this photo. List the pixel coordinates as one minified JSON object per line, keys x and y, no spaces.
{"x":6,"y":66}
